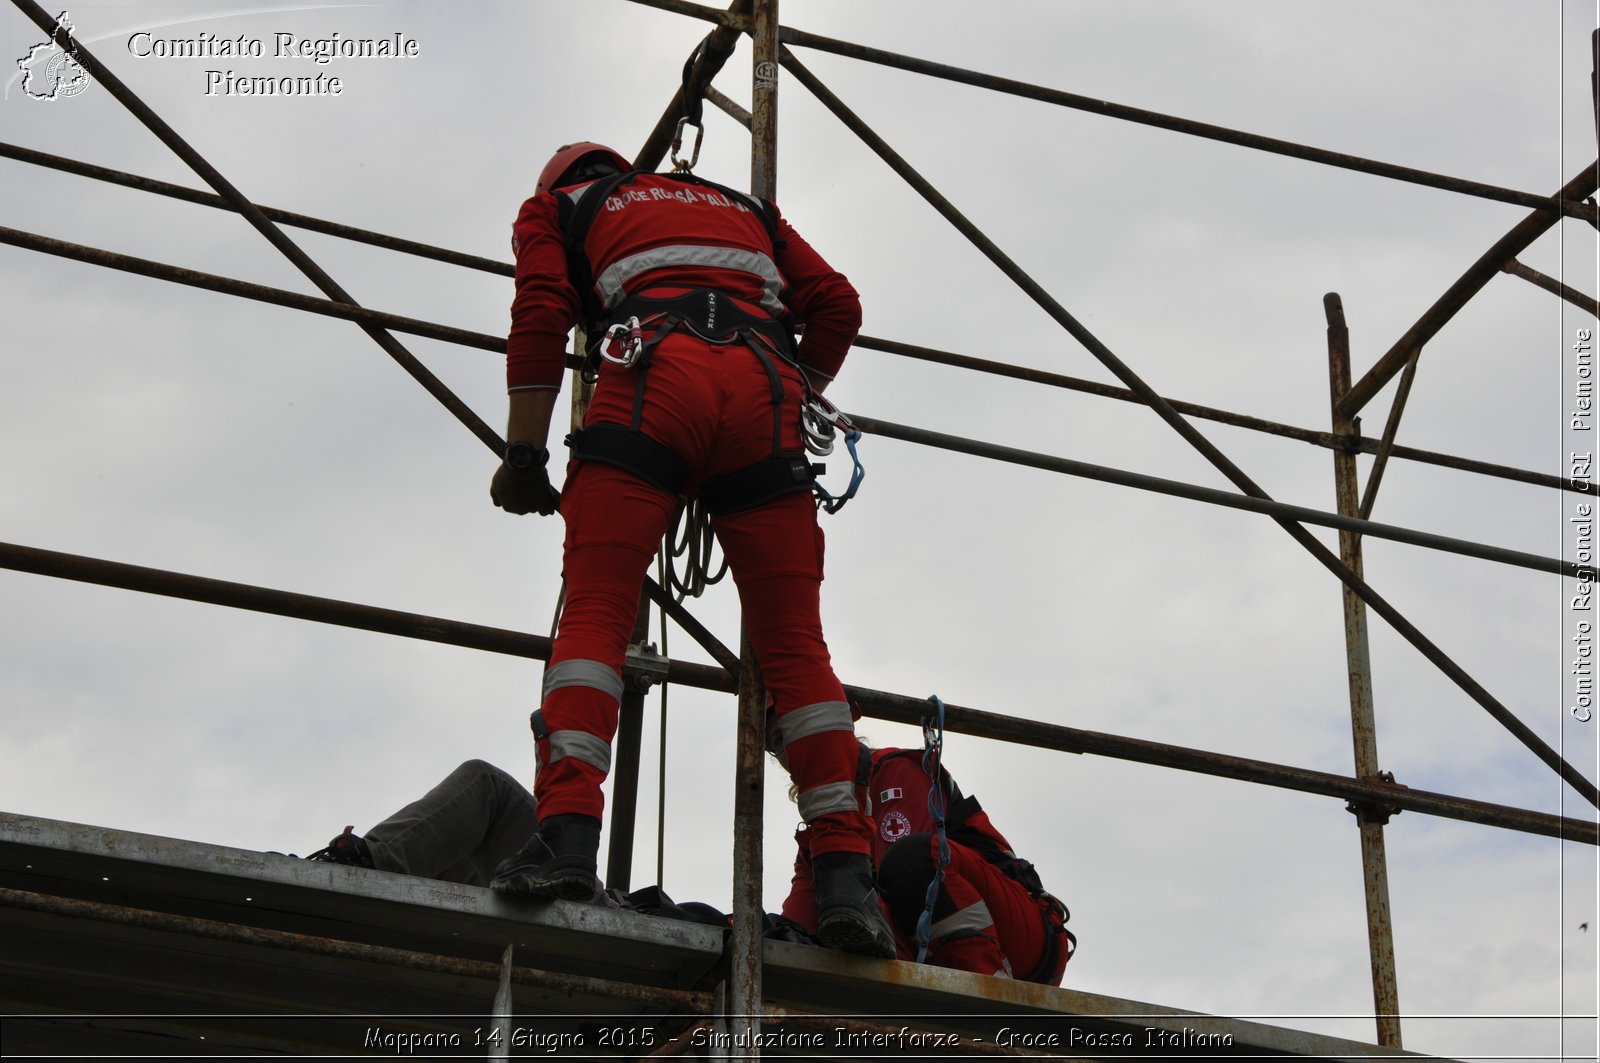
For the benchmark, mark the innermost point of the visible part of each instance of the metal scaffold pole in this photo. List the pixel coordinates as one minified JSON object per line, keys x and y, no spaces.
{"x":745,"y":992}
{"x":1369,"y":816}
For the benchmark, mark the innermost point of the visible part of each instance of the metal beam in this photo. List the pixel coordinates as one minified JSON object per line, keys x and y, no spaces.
{"x":1363,"y":728}
{"x":877,"y":704}
{"x":1391,"y":427}
{"x":1458,"y":675}
{"x":1279,"y":511}
{"x":745,"y":974}
{"x":1587,"y":303}
{"x":1236,"y":420}
{"x":262,"y":224}
{"x":393,"y":243}
{"x":285,"y":217}
{"x":1455,"y":297}
{"x":163,"y":271}
{"x":1140,"y":116}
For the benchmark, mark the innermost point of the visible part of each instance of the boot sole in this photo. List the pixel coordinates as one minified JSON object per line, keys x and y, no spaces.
{"x":850,"y":933}
{"x":573,"y":886}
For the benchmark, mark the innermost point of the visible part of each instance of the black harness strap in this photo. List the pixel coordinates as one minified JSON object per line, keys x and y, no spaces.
{"x":632,"y":450}
{"x":756,"y":485}
{"x":709,"y":314}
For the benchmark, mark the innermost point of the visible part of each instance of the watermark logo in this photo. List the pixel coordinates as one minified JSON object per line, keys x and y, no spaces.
{"x":49,"y":72}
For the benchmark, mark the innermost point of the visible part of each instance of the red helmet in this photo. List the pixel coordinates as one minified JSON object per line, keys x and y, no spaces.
{"x":568,"y":156}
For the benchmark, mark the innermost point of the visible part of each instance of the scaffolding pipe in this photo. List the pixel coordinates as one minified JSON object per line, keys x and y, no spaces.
{"x":163,"y":271}
{"x":1513,"y":243}
{"x":1236,"y":420}
{"x":1363,"y":727}
{"x":745,"y":977}
{"x":1391,"y":427}
{"x":168,"y":136}
{"x":400,"y":324}
{"x":1586,"y":303}
{"x":1348,"y":569}
{"x":285,"y":217}
{"x":1277,"y":510}
{"x":506,"y":269}
{"x":242,"y":205}
{"x":1538,"y":746}
{"x":728,"y":106}
{"x":1204,"y":130}
{"x":1140,"y":116}
{"x":876,"y":704}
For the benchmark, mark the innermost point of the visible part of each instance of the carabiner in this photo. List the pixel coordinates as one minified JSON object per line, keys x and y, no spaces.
{"x":831,"y":503}
{"x":680,"y":165}
{"x":819,"y":424}
{"x":631,"y":334}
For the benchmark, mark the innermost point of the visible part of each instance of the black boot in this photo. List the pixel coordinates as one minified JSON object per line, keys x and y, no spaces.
{"x":557,"y":863}
{"x":348,"y":848}
{"x":848,"y":916}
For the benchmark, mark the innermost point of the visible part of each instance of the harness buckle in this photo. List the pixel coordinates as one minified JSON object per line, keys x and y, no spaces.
{"x":630,"y":334}
{"x":685,"y":165}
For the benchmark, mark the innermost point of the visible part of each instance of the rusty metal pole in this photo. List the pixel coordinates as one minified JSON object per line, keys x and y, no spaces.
{"x":1374,"y":865}
{"x":1594,"y":79}
{"x":764,"y":100}
{"x":744,"y":982}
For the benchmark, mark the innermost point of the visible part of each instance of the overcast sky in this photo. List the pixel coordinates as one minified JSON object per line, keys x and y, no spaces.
{"x":147,"y":423}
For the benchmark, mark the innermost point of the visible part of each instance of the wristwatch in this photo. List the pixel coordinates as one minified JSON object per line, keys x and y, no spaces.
{"x":522,"y":456}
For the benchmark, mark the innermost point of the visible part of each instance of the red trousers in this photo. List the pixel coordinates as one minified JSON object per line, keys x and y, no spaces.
{"x":983,"y":920}
{"x":713,"y":406}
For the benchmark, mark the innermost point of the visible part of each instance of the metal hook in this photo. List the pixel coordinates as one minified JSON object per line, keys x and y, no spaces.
{"x":680,"y":165}
{"x":631,"y":335}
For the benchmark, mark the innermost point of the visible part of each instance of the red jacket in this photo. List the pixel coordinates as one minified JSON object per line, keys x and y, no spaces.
{"x":660,"y":233}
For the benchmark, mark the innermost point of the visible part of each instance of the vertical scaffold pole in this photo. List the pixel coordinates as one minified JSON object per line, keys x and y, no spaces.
{"x":1374,"y":865}
{"x":745,"y":948}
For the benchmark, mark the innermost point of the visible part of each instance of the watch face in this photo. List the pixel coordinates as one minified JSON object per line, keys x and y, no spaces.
{"x":521,"y":455}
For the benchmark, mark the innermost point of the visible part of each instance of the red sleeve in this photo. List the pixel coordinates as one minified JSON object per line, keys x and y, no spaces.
{"x":545,"y":306}
{"x":801,"y":904}
{"x":823,"y":300}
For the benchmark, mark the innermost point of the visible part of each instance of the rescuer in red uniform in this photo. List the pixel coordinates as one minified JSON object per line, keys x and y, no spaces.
{"x":991,"y":914}
{"x":695,"y":290}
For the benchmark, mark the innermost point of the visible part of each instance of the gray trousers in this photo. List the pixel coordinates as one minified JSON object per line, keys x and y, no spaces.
{"x":459,"y":830}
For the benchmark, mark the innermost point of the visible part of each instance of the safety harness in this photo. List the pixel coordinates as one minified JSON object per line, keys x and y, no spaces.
{"x":955,"y":818}
{"x":627,"y":332}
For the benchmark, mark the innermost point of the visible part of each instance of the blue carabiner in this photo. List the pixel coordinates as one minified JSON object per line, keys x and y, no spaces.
{"x":831,"y":503}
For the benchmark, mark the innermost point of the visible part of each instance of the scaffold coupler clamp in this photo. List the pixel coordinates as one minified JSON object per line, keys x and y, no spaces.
{"x":1376,"y":811}
{"x":680,"y":165}
{"x":644,"y":667}
{"x":630,"y":334}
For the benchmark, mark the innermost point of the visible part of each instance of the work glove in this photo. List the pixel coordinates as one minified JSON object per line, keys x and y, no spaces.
{"x":522,"y":482}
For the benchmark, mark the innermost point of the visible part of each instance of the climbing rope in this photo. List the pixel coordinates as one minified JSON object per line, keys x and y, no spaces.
{"x":690,"y":537}
{"x":661,"y":755}
{"x":932,"y":749}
